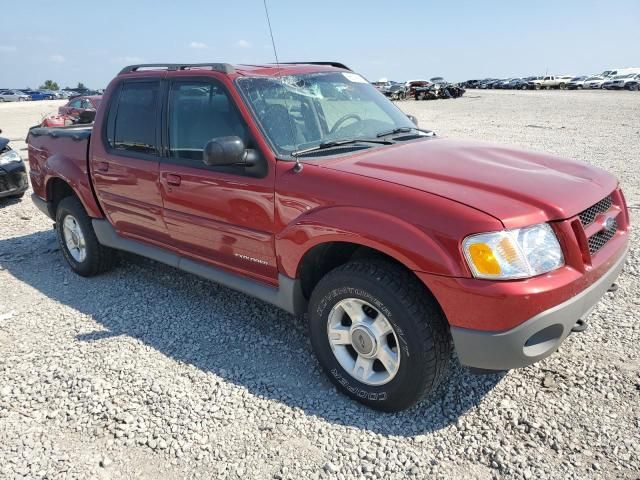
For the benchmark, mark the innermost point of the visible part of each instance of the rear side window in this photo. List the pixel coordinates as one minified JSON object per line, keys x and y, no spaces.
{"x":131,"y":125}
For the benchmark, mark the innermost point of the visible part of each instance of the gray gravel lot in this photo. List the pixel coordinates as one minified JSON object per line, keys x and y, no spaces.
{"x":147,"y":372}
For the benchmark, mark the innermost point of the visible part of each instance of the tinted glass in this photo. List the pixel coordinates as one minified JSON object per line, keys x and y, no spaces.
{"x":200,"y":111}
{"x":133,"y":127}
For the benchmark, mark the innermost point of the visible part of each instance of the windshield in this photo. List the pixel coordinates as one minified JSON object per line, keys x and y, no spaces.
{"x":303,"y":111}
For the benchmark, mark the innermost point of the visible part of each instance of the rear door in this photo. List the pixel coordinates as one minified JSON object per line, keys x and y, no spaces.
{"x":125,"y":164}
{"x":223,"y":216}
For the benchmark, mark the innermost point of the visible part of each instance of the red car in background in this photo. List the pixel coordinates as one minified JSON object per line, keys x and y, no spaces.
{"x":77,"y":105}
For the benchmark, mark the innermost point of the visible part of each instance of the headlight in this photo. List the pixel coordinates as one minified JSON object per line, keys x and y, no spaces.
{"x":9,"y":157}
{"x":517,"y":253}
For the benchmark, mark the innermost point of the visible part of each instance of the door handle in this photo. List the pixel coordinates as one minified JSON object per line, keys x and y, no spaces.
{"x":173,"y":180}
{"x":102,"y":166}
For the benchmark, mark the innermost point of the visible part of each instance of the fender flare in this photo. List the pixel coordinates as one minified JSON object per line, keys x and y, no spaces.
{"x":409,"y":244}
{"x":59,"y":166}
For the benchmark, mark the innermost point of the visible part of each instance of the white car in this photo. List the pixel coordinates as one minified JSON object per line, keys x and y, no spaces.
{"x":594,"y":82}
{"x":619,"y":81}
{"x":13,"y":96}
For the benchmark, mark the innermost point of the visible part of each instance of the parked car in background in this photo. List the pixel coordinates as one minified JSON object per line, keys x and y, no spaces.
{"x":593,"y":82}
{"x":633,"y":85}
{"x":576,"y":83}
{"x":77,"y":105}
{"x":13,"y":173}
{"x":471,"y":83}
{"x":619,"y":71}
{"x":484,"y":84}
{"x":397,"y":91}
{"x":619,"y":81}
{"x":516,"y":84}
{"x":39,"y":95}
{"x":411,"y":86}
{"x":52,"y":94}
{"x":13,"y":96}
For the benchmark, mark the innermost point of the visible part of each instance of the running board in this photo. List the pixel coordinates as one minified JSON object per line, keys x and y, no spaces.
{"x":288,"y":296}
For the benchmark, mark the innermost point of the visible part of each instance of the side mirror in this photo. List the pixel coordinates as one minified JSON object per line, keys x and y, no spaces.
{"x":413,"y":119}
{"x":225,"y":151}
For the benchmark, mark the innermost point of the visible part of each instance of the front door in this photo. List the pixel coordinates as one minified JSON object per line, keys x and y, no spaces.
{"x":223,"y":216}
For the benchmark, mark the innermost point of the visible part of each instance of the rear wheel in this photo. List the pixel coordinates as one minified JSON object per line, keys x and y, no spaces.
{"x":78,"y":241}
{"x":378,"y":334}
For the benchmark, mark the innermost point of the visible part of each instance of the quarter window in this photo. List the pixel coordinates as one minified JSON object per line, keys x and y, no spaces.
{"x":133,"y":126}
{"x":200,"y":111}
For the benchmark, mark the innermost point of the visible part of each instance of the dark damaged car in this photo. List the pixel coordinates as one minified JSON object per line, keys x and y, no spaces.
{"x":13,"y":174}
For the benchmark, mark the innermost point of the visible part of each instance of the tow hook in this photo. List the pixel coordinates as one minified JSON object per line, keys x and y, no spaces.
{"x":580,"y":326}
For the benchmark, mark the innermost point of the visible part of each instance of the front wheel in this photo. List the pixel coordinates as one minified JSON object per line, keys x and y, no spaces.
{"x":378,"y":334}
{"x":78,"y":241}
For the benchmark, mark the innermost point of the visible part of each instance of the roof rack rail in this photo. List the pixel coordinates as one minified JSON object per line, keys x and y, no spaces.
{"x":172,"y":67}
{"x":330,"y":64}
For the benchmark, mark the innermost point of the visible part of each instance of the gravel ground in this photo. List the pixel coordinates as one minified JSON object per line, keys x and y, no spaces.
{"x":147,"y":372}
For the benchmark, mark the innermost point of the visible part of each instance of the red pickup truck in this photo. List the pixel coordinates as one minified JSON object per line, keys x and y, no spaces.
{"x":302,"y":185}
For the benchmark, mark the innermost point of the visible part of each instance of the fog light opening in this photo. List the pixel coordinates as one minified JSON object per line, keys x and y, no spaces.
{"x":543,"y":341}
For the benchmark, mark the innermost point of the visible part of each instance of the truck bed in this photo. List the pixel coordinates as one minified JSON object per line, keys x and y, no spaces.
{"x":63,"y":150}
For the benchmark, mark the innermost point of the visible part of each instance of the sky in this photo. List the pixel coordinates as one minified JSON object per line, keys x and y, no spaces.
{"x":379,"y":39}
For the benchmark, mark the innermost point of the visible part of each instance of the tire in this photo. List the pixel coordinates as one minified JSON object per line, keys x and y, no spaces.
{"x":563,"y":86}
{"x":97,"y":258}
{"x":418,"y":344}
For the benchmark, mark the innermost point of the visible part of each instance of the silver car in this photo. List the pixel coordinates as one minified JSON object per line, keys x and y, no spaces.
{"x":13,"y":96}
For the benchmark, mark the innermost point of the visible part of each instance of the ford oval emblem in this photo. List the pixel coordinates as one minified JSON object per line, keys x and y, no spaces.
{"x":609,"y":223}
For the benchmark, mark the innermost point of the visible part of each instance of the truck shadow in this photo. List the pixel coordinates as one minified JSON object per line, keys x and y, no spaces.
{"x":222,"y":332}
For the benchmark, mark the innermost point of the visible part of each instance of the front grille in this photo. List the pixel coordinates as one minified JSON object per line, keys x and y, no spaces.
{"x":597,"y":241}
{"x":589,"y":215}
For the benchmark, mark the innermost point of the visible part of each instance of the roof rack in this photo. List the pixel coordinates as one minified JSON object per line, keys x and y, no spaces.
{"x":330,"y":64}
{"x":218,"y":67}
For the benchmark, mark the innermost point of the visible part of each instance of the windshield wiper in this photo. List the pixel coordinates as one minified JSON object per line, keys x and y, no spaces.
{"x":403,"y":130}
{"x":337,"y":143}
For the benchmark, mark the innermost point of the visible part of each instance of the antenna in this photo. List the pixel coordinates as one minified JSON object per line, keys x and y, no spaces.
{"x":298,"y":166}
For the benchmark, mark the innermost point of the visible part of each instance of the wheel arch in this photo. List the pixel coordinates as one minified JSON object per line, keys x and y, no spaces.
{"x":326,"y":239}
{"x":66,"y":177}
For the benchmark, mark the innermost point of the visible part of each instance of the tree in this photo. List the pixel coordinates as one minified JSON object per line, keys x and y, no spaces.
{"x":49,"y":85}
{"x":81,"y":86}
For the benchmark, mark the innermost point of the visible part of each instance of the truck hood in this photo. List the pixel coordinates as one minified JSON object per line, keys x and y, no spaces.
{"x":515,"y":186}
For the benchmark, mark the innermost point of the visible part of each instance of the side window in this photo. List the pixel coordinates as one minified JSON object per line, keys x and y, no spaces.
{"x":132,"y":121}
{"x":198,"y":112}
{"x":75,"y":104}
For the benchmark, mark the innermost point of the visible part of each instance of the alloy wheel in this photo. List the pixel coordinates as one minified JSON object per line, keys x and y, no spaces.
{"x":363,"y":341}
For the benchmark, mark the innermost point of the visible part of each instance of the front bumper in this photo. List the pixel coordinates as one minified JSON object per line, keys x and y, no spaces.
{"x":13,"y":179}
{"x":537,"y":337}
